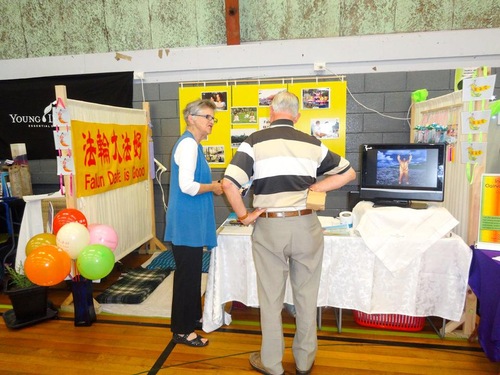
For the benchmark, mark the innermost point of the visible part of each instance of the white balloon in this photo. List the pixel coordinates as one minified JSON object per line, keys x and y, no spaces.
{"x":72,"y":238}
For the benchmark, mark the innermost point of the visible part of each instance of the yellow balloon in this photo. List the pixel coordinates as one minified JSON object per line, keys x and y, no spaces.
{"x":38,"y":240}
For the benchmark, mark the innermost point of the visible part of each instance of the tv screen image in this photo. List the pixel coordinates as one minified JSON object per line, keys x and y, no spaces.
{"x":396,"y":174}
{"x":407,"y":167}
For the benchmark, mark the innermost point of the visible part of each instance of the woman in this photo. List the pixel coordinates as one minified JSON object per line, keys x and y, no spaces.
{"x":191,"y":220}
{"x":219,"y":104}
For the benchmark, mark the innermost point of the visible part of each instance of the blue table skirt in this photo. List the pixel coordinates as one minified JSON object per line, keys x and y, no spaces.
{"x":484,"y":279}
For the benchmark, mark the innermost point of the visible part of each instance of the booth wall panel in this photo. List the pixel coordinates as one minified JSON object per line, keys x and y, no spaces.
{"x":387,"y":92}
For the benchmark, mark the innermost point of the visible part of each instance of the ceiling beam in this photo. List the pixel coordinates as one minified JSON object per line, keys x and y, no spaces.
{"x":283,"y":58}
{"x":232,"y":22}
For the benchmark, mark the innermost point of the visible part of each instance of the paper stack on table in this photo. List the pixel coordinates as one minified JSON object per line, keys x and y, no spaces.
{"x":231,"y":226}
{"x":333,"y":227}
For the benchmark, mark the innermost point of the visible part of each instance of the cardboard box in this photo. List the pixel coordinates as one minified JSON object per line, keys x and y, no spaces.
{"x":20,"y":180}
{"x":19,"y":172}
{"x":316,"y":200}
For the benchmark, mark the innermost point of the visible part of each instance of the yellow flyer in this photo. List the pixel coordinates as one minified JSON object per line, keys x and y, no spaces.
{"x":489,"y":215}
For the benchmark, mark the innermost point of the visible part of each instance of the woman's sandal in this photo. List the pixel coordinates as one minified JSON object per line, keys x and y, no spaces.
{"x":183,"y":339}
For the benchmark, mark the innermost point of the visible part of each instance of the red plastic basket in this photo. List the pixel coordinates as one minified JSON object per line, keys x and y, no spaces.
{"x":393,"y":322}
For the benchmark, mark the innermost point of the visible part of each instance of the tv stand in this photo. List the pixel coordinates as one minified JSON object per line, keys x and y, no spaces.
{"x":399,"y":203}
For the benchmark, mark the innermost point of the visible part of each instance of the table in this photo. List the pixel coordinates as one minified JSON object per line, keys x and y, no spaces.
{"x":32,"y":221}
{"x":433,"y":284}
{"x":484,"y":280}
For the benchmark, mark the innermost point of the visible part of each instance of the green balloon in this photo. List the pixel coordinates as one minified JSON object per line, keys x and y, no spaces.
{"x":95,"y":261}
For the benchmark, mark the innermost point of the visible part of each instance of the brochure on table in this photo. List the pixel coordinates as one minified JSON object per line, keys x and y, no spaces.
{"x":489,"y":213}
{"x":231,"y":226}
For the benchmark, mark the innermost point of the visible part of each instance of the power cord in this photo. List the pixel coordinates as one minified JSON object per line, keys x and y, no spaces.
{"x":407,"y":118}
{"x":159,"y":171}
{"x":160,"y":167}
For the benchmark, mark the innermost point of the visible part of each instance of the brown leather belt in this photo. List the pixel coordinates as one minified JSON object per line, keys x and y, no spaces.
{"x":285,"y":213}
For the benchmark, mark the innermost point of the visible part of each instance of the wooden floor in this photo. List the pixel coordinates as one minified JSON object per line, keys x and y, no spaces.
{"x":132,"y":345}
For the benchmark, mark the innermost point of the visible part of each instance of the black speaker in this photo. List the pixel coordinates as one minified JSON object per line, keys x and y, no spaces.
{"x":352,"y":199}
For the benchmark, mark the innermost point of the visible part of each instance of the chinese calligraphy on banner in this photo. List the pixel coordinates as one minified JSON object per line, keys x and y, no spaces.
{"x":109,"y":156}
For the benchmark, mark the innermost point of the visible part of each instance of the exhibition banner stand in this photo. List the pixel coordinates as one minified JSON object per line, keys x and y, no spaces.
{"x":489,"y":213}
{"x":104,"y":162}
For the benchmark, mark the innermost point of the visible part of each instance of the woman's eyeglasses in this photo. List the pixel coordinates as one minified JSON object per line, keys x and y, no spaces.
{"x":208,"y":117}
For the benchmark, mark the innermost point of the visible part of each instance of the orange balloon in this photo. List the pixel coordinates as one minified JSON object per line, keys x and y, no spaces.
{"x":39,"y":240}
{"x":47,"y":265}
{"x":65,"y":216}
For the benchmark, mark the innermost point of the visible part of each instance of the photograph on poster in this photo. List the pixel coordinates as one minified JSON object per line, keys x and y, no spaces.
{"x":316,"y":98}
{"x":264,"y":122}
{"x":325,"y":128}
{"x":451,"y":134}
{"x":62,"y":139}
{"x":473,"y":152}
{"x":218,"y":97}
{"x":244,"y":115}
{"x":65,"y":165}
{"x":475,"y":122}
{"x":239,"y":135}
{"x":478,"y":88}
{"x":214,"y":154}
{"x":266,"y":96}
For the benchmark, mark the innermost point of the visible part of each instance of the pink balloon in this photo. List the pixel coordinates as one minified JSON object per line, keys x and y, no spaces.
{"x":104,"y":235}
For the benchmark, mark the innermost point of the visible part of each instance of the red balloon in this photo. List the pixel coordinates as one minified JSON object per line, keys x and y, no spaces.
{"x":67,"y":215}
{"x":47,"y":265}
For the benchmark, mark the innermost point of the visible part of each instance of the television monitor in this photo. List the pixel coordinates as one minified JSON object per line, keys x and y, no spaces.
{"x":398,"y":174}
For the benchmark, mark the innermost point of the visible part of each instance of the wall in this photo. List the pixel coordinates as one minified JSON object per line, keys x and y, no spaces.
{"x":35,"y":28}
{"x":388,"y":93}
{"x":398,"y":39}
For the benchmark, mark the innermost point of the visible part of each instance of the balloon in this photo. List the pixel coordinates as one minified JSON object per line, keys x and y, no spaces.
{"x":38,"y":240}
{"x":65,"y":216}
{"x":104,"y":235}
{"x":47,"y":265}
{"x":72,"y":238}
{"x":95,"y":261}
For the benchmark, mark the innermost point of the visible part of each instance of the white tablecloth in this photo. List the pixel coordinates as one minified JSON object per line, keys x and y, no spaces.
{"x":397,"y":235}
{"x":32,"y":222}
{"x":433,"y":284}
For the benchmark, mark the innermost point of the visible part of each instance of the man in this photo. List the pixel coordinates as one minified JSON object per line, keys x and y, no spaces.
{"x":287,"y":237}
{"x":404,"y":169}
{"x":317,"y":130}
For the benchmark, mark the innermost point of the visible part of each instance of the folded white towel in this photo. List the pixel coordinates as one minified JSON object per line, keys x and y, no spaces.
{"x":397,"y":235}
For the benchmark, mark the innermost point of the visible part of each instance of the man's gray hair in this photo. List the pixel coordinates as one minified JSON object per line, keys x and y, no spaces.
{"x":196,"y":106}
{"x":286,"y":102}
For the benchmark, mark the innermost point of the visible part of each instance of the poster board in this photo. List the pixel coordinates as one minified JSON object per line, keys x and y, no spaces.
{"x":489,"y":213}
{"x":329,"y":110}
{"x":245,"y":109}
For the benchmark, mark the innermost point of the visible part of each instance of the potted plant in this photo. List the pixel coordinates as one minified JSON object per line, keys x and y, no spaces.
{"x":17,"y":279}
{"x":29,"y":301}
